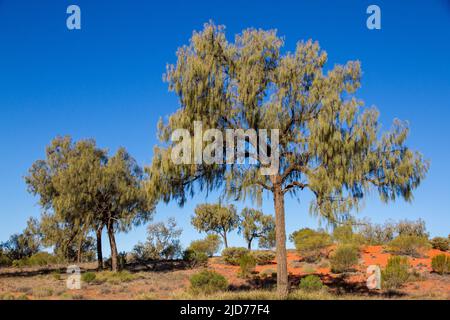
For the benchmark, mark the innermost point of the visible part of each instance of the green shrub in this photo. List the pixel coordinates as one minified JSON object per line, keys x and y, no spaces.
{"x":441,"y":264}
{"x":208,"y":282}
{"x":410,"y":245}
{"x":311,"y":283}
{"x":195,"y":258}
{"x":5,"y":261}
{"x":88,"y":277}
{"x":310,"y":243}
{"x":114,"y":277}
{"x":247,"y":265}
{"x":233,"y":255}
{"x":39,"y":259}
{"x":344,"y":258}
{"x":210,"y":245}
{"x":396,"y":273}
{"x":344,"y":235}
{"x":440,"y":243}
{"x":263,"y":257}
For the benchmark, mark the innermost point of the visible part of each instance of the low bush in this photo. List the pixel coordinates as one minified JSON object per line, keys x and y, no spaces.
{"x":247,"y":264}
{"x":344,"y":258}
{"x":114,"y":277}
{"x":311,"y":283}
{"x":233,"y":255}
{"x":263,"y":257}
{"x":441,"y":264}
{"x":39,"y":259}
{"x":5,"y":261}
{"x":396,"y":273}
{"x":195,"y":258}
{"x":440,"y":243}
{"x":310,"y":243}
{"x":210,"y":245}
{"x":267,"y":273}
{"x":344,"y":235}
{"x":88,"y":277}
{"x":208,"y":282}
{"x":410,"y":245}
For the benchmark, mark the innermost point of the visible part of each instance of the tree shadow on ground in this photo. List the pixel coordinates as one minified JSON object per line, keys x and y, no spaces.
{"x":338,"y":285}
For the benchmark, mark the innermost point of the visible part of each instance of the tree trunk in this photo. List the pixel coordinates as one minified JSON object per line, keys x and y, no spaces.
{"x":112,"y":243}
{"x":225,"y":241}
{"x":79,"y":251}
{"x":99,"y":249}
{"x":249,"y":246}
{"x":280,"y":228}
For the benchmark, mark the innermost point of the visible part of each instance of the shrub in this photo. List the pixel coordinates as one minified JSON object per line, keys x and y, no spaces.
{"x":310,"y":243}
{"x":441,"y":264}
{"x":440,"y":243}
{"x":412,"y":228}
{"x":344,"y":258}
{"x":88,"y":277}
{"x":396,"y":272}
{"x":410,"y":245}
{"x":208,"y":282}
{"x":210,"y":245}
{"x":5,"y":261}
{"x":38,"y":259}
{"x":377,"y":234}
{"x":344,"y":235}
{"x":311,"y":283}
{"x":114,"y":277}
{"x":195,"y":258}
{"x":233,"y":255}
{"x":263,"y":257}
{"x":247,"y":265}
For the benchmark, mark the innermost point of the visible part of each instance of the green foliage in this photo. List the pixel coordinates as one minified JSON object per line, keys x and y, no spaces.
{"x":310,"y":243}
{"x":210,"y":245}
{"x":233,"y":255}
{"x":410,"y":245}
{"x":115,"y":277}
{"x":195,"y":258}
{"x":441,"y":264}
{"x":5,"y":261}
{"x":311,"y":283}
{"x":247,"y":264}
{"x":39,"y":259}
{"x":267,"y":273}
{"x":208,"y":282}
{"x":88,"y":277}
{"x":344,"y":234}
{"x":263,"y":257}
{"x":440,"y":243}
{"x":344,"y":258}
{"x":215,"y":218}
{"x":255,"y":225}
{"x":23,"y":245}
{"x":396,"y":273}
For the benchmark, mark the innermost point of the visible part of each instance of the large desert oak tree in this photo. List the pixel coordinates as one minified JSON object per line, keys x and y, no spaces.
{"x":329,"y":143}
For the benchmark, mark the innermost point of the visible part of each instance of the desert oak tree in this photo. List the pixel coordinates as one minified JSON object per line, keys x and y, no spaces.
{"x":329,"y":143}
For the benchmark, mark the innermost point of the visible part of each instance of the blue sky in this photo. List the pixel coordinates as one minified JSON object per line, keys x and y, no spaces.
{"x":105,"y":81}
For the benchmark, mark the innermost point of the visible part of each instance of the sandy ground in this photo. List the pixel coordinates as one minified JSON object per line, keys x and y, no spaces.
{"x":169,"y":281}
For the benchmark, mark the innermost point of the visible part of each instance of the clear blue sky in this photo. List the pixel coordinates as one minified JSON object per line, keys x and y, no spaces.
{"x":105,"y":82}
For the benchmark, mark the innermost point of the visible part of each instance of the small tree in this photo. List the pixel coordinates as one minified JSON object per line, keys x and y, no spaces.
{"x":255,"y":225}
{"x":163,"y":240}
{"x":215,"y":218}
{"x":210,"y":245}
